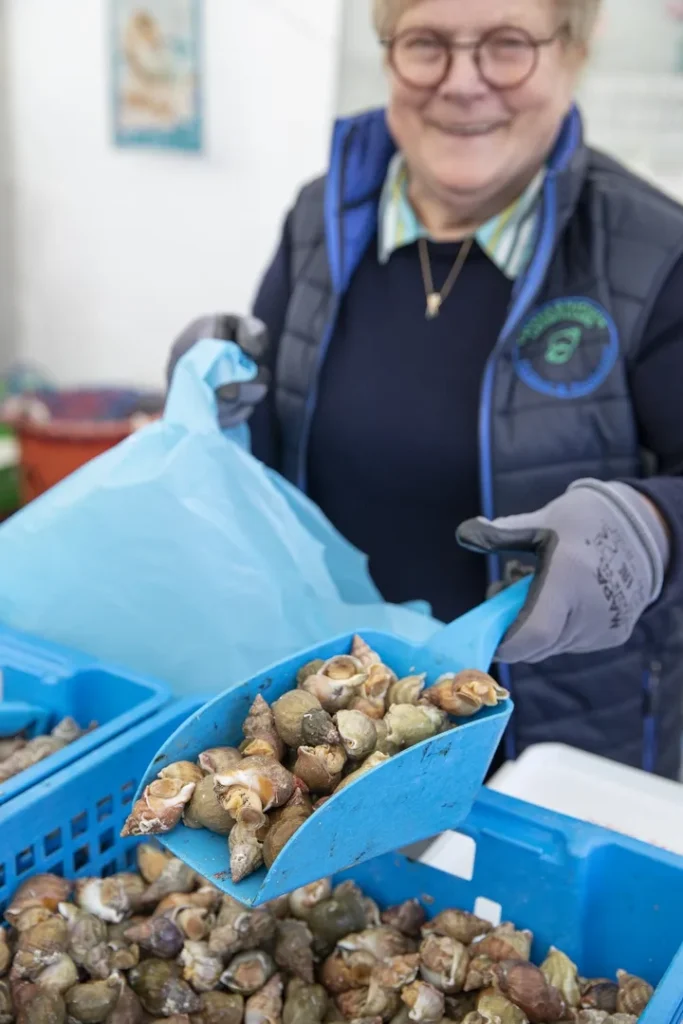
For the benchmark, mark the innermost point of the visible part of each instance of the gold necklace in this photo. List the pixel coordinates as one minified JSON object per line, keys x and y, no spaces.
{"x":435,"y":299}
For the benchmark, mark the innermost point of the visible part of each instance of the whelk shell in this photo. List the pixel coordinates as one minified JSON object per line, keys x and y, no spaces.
{"x":248,"y":972}
{"x":93,"y":1001}
{"x":220,"y":1008}
{"x":381,"y":1002}
{"x":336,"y":683}
{"x":342,"y":972}
{"x":504,"y":943}
{"x":41,"y":891}
{"x":284,"y":823}
{"x":6,"y":1004}
{"x":464,"y":693}
{"x":246,"y":852}
{"x":265,"y":776}
{"x":426,"y":1004}
{"x":352,"y":1003}
{"x":358,"y":733}
{"x":217,"y":760}
{"x":176,"y":877}
{"x":34,"y":1005}
{"x":182,"y":771}
{"x":311,"y":668}
{"x":480,"y":974}
{"x":160,"y":990}
{"x":205,"y":811}
{"x":151,"y":860}
{"x":382,"y":746}
{"x":599,"y":994}
{"x":304,"y":1003}
{"x":409,"y":724}
{"x":201,"y":968}
{"x":526,"y":986}
{"x":59,"y":976}
{"x":318,"y":729}
{"x":634,"y":993}
{"x":458,"y":924}
{"x":374,"y":761}
{"x":407,"y":690}
{"x":363,"y":653}
{"x":397,"y":971}
{"x":128,"y":1009}
{"x":31,"y":753}
{"x":335,"y":918}
{"x":265,"y":1007}
{"x":293,"y":949}
{"x":383,"y":942}
{"x":159,"y":809}
{"x":260,"y":733}
{"x":443,"y":963}
{"x":110,"y":899}
{"x":493,"y":1005}
{"x":160,"y":936}
{"x":371,"y":697}
{"x":320,"y":767}
{"x":302,"y":901}
{"x":289,"y":712}
{"x":562,"y":973}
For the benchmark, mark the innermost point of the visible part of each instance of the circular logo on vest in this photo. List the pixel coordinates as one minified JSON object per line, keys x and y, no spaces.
{"x":567,"y":348}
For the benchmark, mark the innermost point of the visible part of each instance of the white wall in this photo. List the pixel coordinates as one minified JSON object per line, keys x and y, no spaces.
{"x":115,"y":250}
{"x":8,"y":338}
{"x":362,"y":81}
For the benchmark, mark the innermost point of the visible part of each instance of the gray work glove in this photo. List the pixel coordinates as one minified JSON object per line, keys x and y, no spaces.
{"x":236,"y":402}
{"x":602,"y":554}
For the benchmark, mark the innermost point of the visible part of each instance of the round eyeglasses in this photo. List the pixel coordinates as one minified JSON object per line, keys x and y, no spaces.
{"x":505,"y":57}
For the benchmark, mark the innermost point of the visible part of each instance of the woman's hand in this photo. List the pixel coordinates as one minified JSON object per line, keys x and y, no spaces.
{"x":236,"y":402}
{"x":602,"y":552}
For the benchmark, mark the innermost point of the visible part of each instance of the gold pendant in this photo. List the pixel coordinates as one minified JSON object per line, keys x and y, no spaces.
{"x":434,"y":301}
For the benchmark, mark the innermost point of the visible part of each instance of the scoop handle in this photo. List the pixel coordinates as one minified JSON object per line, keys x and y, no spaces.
{"x":472,"y":640}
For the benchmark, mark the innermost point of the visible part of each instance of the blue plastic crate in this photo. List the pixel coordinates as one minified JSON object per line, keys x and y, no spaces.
{"x":65,"y":682}
{"x":608,"y":901}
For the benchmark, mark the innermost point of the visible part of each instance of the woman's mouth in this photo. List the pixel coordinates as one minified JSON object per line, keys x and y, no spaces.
{"x":472,"y":130}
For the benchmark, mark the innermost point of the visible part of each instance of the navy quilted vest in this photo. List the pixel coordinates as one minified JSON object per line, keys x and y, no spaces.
{"x":554,"y":407}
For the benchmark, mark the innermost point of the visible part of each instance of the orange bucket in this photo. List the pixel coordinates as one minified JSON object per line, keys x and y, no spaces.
{"x":48,"y":455}
{"x":60,"y":432}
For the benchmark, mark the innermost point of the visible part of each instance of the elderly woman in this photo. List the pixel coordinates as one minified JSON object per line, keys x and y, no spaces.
{"x":475,"y":323}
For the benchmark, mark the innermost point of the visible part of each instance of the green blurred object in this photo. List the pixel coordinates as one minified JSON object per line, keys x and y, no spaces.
{"x":9,"y":472}
{"x":18,"y":380}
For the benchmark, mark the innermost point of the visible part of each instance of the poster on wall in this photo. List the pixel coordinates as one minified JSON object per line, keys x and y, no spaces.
{"x":156,"y":73}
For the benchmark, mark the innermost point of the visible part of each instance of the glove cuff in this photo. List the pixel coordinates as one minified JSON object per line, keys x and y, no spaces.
{"x":644,"y":521}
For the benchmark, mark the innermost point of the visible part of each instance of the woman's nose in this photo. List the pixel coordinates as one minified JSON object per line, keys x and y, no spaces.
{"x":464,"y":77}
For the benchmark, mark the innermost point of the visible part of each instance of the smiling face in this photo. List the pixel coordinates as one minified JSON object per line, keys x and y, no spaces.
{"x":467,"y":141}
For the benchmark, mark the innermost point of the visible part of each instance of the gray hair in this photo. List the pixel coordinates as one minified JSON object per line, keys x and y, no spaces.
{"x":579,"y":15}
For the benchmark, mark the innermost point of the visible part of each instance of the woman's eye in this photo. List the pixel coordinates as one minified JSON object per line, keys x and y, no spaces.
{"x":507,"y":47}
{"x":423,"y":44}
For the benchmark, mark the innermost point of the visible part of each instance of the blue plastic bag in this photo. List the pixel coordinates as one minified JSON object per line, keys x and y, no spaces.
{"x":177,"y":554}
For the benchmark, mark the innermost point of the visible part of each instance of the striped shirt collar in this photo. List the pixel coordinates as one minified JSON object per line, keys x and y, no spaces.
{"x":507,"y":239}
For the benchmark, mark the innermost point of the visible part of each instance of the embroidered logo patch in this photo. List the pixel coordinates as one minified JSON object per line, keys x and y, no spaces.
{"x":567,"y":348}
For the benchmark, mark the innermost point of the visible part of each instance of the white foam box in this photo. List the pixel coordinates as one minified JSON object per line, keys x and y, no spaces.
{"x":580,"y":785}
{"x":594,"y":789}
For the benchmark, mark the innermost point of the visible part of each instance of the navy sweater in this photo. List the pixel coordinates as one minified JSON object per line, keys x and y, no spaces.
{"x":393,"y":458}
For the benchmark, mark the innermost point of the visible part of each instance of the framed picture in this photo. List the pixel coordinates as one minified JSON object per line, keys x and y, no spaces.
{"x":156,"y":73}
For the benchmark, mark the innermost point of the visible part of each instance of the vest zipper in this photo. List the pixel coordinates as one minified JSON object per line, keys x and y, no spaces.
{"x":336,"y":191}
{"x":523,"y":298}
{"x":650,"y":715}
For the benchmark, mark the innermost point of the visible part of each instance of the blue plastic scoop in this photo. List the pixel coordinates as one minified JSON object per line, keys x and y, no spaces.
{"x":416,"y":794}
